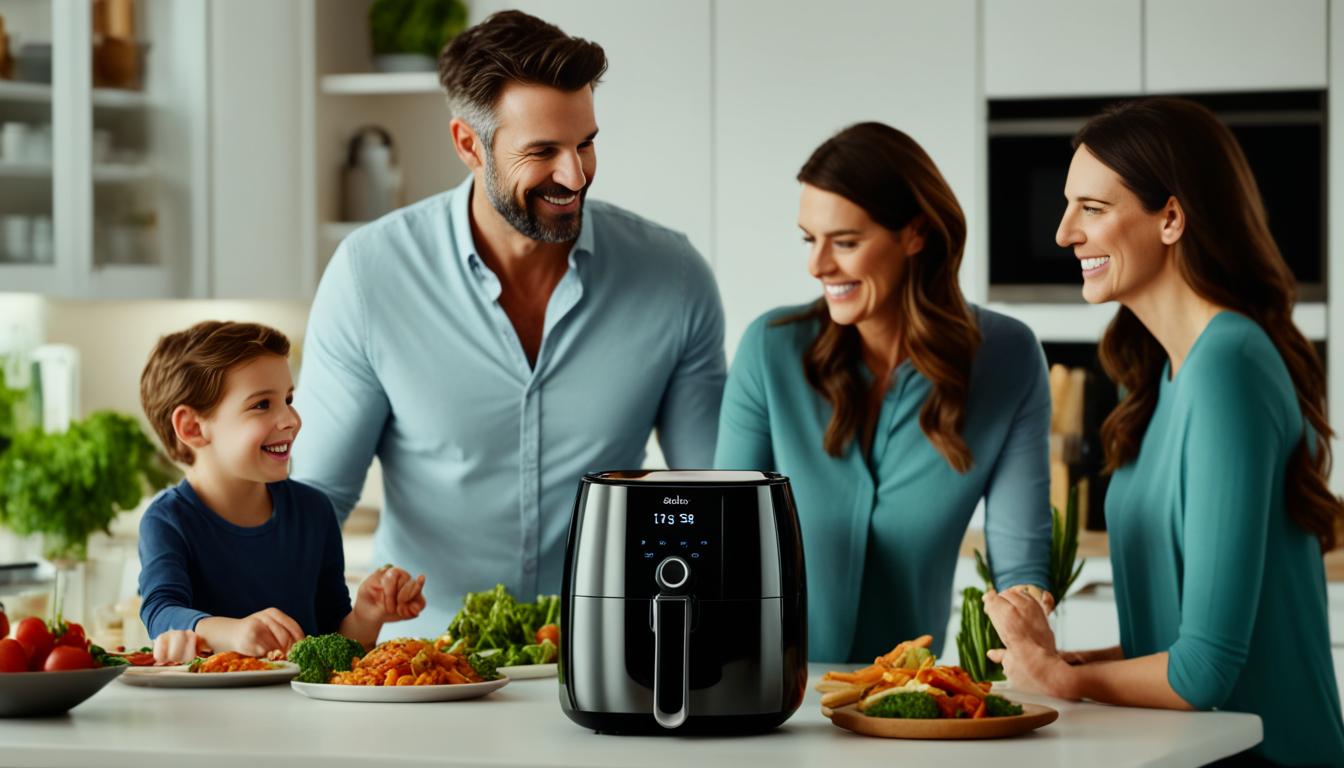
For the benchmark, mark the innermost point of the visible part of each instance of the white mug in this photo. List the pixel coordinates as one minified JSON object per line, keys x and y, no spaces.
{"x":14,"y":141}
{"x":17,"y":245}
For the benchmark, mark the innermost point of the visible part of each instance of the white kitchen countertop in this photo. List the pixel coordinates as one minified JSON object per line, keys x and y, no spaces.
{"x":522,"y":725}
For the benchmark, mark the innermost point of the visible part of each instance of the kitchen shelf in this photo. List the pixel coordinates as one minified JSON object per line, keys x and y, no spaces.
{"x":111,"y":173}
{"x":35,"y":171}
{"x":40,"y":93}
{"x":1087,"y":322}
{"x":381,"y":83}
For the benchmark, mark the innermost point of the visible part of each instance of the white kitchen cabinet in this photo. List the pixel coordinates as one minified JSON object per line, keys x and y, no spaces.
{"x":254,"y":207}
{"x":1064,"y":48}
{"x":1202,"y":46}
{"x":786,"y":77}
{"x":1057,"y":48}
{"x":100,"y":200}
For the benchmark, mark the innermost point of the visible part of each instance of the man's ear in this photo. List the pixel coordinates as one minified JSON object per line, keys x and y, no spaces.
{"x":468,"y":146}
{"x":1173,"y":221}
{"x":190,"y":428}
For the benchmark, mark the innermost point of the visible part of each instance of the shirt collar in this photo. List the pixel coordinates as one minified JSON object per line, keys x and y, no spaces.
{"x":465,"y":244}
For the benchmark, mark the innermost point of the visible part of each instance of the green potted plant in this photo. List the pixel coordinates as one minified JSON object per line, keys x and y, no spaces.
{"x":408,"y":35}
{"x":977,"y":636}
{"x":66,"y":486}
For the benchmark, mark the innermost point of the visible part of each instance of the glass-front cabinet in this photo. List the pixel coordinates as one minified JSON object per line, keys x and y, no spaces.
{"x":103,"y":122}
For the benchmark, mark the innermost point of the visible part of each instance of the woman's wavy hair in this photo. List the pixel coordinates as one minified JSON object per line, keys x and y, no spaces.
{"x":888,"y":175}
{"x":1168,"y":147}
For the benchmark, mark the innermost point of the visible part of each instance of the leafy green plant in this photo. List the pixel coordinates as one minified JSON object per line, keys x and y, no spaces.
{"x":68,"y":485}
{"x":977,"y":634}
{"x":1064,"y":548}
{"x":415,"y":26}
{"x":9,"y":402}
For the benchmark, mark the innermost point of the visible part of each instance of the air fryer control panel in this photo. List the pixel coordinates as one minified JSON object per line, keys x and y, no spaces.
{"x":686,"y":523}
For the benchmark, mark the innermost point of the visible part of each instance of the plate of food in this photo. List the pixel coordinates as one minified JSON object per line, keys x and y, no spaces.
{"x":529,"y":671}
{"x":221,"y":670}
{"x":904,"y":694}
{"x":521,"y":639}
{"x":397,"y":671}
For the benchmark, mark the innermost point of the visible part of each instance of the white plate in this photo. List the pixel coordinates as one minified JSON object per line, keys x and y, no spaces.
{"x":528,"y":671}
{"x":397,"y":693}
{"x":179,"y":677}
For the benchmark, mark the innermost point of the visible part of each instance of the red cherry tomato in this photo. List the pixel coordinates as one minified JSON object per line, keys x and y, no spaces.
{"x":549,"y":632}
{"x":12,"y":656}
{"x":33,"y":635}
{"x":63,"y":657}
{"x":73,"y":637}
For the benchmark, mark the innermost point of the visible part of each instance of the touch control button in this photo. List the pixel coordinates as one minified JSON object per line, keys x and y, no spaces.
{"x":672,"y":573}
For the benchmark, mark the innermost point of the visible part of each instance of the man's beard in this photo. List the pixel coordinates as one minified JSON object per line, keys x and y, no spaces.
{"x":562,"y":229}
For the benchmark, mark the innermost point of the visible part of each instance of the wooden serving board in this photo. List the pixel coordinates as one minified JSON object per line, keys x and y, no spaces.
{"x":1033,"y":716}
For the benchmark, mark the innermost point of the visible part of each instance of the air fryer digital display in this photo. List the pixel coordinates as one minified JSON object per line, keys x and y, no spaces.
{"x":663,"y":522}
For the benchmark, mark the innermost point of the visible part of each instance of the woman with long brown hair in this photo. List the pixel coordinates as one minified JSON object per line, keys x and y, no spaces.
{"x":892,"y":404}
{"x":1218,"y":509}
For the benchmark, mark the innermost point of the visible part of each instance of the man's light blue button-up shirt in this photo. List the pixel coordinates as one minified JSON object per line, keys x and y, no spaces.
{"x":409,"y":356}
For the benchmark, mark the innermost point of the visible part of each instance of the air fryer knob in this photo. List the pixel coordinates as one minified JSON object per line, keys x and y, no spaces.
{"x":673,"y":574}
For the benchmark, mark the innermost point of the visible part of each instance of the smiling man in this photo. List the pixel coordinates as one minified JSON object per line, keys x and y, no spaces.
{"x":493,"y":343}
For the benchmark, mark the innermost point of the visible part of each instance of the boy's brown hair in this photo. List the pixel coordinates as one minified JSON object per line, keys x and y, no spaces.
{"x":189,"y":367}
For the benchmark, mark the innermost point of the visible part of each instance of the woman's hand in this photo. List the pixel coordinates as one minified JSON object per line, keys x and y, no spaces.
{"x":1074,"y":658}
{"x":1029,"y":659}
{"x":1046,"y":600}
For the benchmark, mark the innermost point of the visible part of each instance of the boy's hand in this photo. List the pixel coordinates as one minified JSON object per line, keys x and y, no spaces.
{"x":256,"y":635}
{"x":179,"y":645}
{"x":390,"y":594}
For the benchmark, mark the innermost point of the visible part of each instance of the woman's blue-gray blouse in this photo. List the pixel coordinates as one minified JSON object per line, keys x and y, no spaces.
{"x":882,"y":532}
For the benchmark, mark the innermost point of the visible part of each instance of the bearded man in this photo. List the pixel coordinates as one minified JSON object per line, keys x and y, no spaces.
{"x":493,"y":343}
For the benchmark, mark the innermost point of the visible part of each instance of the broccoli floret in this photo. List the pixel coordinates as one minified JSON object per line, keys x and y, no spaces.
{"x":912,"y":705}
{"x":320,"y":655}
{"x":485,"y":665}
{"x":997,"y":706}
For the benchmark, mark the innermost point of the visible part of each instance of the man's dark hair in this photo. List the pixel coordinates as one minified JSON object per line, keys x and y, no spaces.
{"x":512,"y":47}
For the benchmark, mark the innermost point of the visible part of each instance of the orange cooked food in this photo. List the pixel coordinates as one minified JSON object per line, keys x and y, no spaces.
{"x":231,"y":661}
{"x":408,"y":662}
{"x":952,"y":689}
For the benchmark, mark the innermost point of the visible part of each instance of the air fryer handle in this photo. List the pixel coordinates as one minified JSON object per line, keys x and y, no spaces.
{"x":671,"y":644}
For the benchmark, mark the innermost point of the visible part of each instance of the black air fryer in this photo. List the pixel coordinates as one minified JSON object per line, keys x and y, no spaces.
{"x":684,"y":603}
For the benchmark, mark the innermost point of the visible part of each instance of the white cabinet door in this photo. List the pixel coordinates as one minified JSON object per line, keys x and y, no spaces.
{"x":1200,"y":46}
{"x":1062,"y":47}
{"x":653,"y":152}
{"x":786,"y":77}
{"x":255,"y":243}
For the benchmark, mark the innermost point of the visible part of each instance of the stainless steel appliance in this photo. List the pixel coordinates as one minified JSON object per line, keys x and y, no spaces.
{"x":683,"y":603}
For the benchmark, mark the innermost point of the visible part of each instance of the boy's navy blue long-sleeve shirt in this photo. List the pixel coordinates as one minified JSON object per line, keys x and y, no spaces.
{"x":195,"y":564}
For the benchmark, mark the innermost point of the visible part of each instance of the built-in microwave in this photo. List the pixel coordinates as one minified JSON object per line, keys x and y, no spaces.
{"x":1283,"y":135}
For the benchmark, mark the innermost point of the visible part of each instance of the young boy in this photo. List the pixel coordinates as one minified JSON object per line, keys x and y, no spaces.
{"x":237,"y":557}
